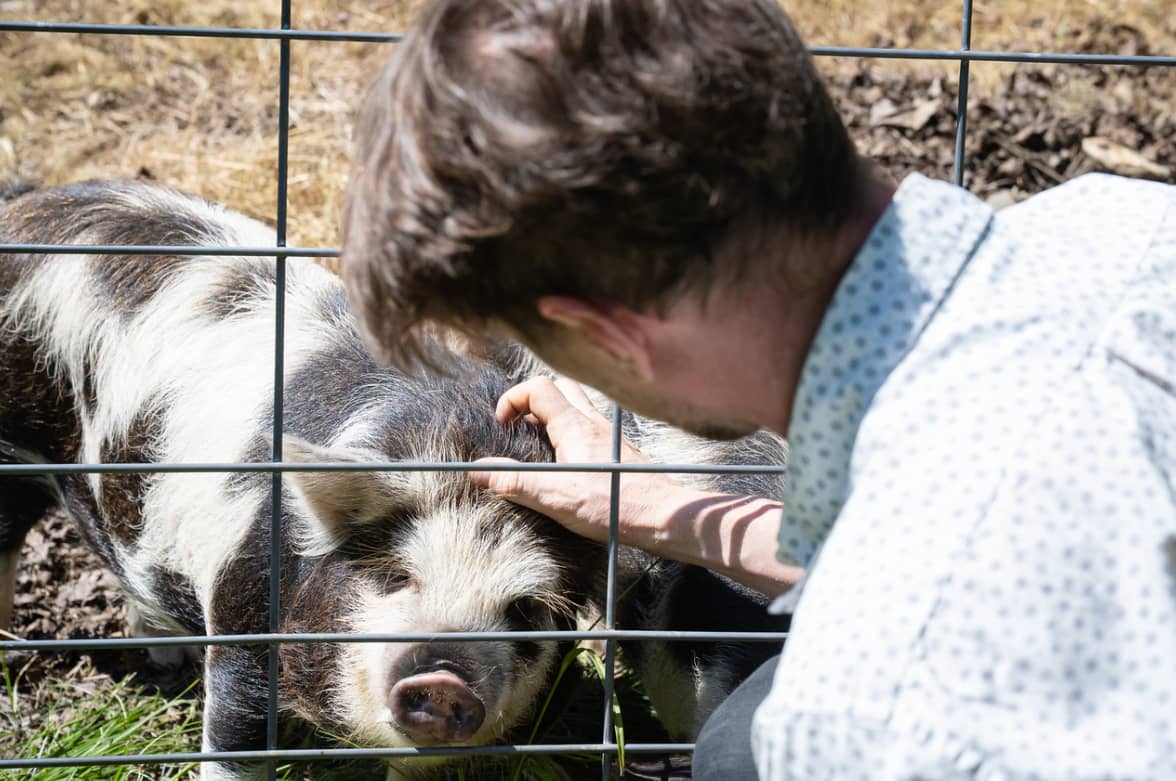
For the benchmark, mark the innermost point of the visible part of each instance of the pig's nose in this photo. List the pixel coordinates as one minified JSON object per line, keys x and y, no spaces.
{"x":436,"y":707}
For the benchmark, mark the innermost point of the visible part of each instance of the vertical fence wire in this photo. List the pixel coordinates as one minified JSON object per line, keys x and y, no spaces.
{"x":957,"y":164}
{"x":610,"y":597}
{"x":275,"y":590}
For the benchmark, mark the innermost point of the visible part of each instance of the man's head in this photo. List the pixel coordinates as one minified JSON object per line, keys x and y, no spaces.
{"x":619,"y":156}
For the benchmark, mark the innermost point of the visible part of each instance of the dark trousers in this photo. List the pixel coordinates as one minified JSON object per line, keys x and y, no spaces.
{"x":723,"y":748}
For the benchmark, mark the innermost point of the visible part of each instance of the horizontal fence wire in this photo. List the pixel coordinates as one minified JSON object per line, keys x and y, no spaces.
{"x":167,"y":249}
{"x":606,"y":749}
{"x":173,"y":641}
{"x":347,"y":753}
{"x":861,"y":52}
{"x":388,"y":466}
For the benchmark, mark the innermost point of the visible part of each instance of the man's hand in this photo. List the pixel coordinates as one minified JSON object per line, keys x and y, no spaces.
{"x":735,"y":535}
{"x":579,"y":434}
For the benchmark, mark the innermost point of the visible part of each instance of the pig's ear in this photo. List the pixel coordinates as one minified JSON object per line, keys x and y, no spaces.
{"x":339,"y":500}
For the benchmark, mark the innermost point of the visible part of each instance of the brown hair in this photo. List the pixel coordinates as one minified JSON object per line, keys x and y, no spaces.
{"x":605,"y":149}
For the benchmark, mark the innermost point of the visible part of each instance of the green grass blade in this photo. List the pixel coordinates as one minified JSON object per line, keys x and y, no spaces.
{"x":618,"y":722}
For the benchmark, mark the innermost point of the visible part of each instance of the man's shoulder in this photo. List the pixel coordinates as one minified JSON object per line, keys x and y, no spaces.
{"x":1096,"y":193}
{"x":1094,"y":216}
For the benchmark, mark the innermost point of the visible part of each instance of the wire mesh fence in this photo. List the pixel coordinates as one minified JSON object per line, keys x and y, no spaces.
{"x":273,"y":753}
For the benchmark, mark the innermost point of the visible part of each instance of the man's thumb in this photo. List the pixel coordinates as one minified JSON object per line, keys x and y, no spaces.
{"x":502,"y":483}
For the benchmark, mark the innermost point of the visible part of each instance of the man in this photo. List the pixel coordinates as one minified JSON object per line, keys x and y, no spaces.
{"x":660,"y":199}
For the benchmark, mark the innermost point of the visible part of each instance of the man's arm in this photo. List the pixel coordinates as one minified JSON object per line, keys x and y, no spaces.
{"x":734,"y":535}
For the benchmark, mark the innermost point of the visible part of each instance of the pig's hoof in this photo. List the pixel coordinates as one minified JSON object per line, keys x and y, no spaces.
{"x":436,"y":707}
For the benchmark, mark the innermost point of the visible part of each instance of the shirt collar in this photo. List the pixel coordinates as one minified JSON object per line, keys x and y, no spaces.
{"x":890,"y":291}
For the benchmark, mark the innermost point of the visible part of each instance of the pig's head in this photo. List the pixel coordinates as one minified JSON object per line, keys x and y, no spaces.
{"x":428,"y":552}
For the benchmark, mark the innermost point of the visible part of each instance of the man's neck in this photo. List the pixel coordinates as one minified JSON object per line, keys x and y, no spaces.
{"x":745,"y":349}
{"x":797,"y":314}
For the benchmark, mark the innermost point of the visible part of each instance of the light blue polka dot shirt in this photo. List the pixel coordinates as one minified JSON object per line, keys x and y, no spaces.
{"x":983,"y":464}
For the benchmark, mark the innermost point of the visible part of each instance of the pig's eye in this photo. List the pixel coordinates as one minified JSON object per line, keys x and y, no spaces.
{"x":394,"y":581}
{"x":527,"y":613}
{"x":387,"y":579}
{"x":386,"y":572}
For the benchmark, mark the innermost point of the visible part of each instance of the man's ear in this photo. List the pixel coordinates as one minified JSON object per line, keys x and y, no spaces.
{"x":617,"y":332}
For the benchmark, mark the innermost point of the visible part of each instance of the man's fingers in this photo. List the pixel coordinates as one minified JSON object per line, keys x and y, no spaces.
{"x":574,"y":392}
{"x":513,"y":486}
{"x":541,"y":398}
{"x":537,"y":396}
{"x":544,"y":398}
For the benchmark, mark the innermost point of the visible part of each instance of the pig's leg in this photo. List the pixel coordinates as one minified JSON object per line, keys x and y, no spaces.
{"x":235,"y":700}
{"x":22,"y":504}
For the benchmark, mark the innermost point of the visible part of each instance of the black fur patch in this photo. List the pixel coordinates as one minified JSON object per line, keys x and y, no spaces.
{"x":123,"y":493}
{"x":236,"y":697}
{"x":330,"y":388}
{"x":89,"y":386}
{"x":241,"y":290}
{"x":313,"y":598}
{"x":131,"y":281}
{"x":240,"y":597}
{"x":22,"y":504}
{"x":696,"y":599}
{"x":177,"y":598}
{"x":36,"y":414}
{"x":309,"y":670}
{"x":80,"y":504}
{"x":526,"y":615}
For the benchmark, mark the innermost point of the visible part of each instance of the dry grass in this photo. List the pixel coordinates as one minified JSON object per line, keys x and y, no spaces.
{"x":1017,"y":25}
{"x":201,"y":114}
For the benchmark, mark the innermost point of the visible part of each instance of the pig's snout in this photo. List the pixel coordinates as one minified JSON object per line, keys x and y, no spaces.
{"x":436,"y":707}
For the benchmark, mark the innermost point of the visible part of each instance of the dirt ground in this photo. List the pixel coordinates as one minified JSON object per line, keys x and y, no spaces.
{"x":1029,"y":128}
{"x":202,"y":115}
{"x":63,"y":592}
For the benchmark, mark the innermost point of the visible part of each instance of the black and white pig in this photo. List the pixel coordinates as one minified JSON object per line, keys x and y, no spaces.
{"x":170,"y":360}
